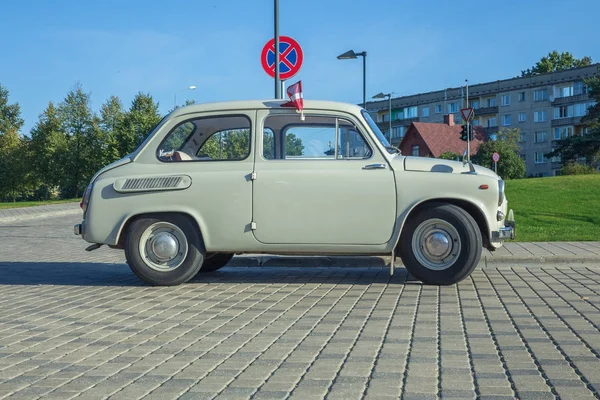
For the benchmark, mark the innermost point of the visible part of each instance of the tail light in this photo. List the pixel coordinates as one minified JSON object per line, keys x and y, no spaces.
{"x":86,"y":198}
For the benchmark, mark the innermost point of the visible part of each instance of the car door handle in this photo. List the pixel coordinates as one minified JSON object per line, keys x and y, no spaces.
{"x":375,"y":166}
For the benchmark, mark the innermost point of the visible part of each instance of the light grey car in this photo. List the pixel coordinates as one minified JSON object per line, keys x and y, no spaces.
{"x":219,"y":179}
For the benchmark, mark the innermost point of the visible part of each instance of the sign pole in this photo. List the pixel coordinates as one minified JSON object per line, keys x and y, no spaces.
{"x":495,"y":167}
{"x":276,"y":24}
{"x":468,"y":123}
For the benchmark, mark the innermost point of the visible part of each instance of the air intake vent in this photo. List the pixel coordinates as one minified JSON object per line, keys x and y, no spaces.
{"x":151,"y":183}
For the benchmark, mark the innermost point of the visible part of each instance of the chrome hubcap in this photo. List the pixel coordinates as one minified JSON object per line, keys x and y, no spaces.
{"x":163,"y":246}
{"x":436,"y":244}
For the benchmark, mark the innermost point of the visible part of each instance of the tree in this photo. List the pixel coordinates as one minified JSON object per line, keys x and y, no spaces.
{"x":111,"y":123}
{"x":293,"y":146}
{"x":48,"y":151}
{"x":142,"y":117}
{"x":556,"y":62}
{"x":575,"y":149}
{"x":450,"y":155}
{"x":82,"y":132}
{"x":510,"y":166}
{"x":13,"y":169}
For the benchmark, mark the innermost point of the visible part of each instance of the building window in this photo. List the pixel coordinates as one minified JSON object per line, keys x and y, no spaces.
{"x":579,"y":88}
{"x":563,"y":112}
{"x":540,"y":116}
{"x":581,"y":109}
{"x":476,"y":122}
{"x":555,"y":158}
{"x":452,"y":108}
{"x":563,"y":132}
{"x":411,"y":112}
{"x":492,"y":122}
{"x":505,"y":100}
{"x":540,"y":137}
{"x":540,"y":158}
{"x":506,"y":120}
{"x":522,"y":137}
{"x":475,"y":104}
{"x":415,"y":150}
{"x":491,"y":102}
{"x":425,"y":112}
{"x":521,"y":96}
{"x":564,"y":91}
{"x":438,"y":108}
{"x":540,"y":95}
{"x":398,"y":132}
{"x":522,"y":117}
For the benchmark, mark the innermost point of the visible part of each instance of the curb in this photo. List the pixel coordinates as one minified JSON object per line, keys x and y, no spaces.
{"x":35,"y":215}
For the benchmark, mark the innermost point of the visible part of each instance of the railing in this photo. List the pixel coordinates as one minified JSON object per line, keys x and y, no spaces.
{"x":486,"y":110}
{"x":570,"y":99}
{"x":566,"y":121}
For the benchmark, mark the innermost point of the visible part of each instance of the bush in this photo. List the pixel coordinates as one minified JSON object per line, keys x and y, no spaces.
{"x":577,"y":169}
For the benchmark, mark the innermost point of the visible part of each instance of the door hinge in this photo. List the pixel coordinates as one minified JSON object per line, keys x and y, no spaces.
{"x":253,"y":225}
{"x":253,"y":176}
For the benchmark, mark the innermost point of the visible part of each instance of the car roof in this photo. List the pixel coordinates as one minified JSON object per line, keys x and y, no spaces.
{"x":264,"y":104}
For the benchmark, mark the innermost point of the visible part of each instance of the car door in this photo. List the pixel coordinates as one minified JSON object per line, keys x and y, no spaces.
{"x":320,"y":180}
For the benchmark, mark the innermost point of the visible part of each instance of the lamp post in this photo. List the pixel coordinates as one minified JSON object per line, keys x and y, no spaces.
{"x":181,"y":90}
{"x":350,"y":54}
{"x":382,"y":95}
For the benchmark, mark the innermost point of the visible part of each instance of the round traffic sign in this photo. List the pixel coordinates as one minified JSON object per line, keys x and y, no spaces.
{"x":496,"y":157}
{"x":290,"y":57}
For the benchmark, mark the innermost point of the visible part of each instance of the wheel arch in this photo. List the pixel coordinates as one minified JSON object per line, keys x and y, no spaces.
{"x":122,"y":234}
{"x":466,"y":205}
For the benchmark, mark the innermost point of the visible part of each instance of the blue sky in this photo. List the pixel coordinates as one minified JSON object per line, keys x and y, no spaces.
{"x":161,"y":48}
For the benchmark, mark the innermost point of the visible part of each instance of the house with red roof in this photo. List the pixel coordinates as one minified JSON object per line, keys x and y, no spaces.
{"x":426,"y":139}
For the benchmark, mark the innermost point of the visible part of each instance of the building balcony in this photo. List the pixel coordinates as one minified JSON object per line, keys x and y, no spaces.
{"x":570,"y":99}
{"x":566,"y":121}
{"x":397,"y":122}
{"x":486,"y":110}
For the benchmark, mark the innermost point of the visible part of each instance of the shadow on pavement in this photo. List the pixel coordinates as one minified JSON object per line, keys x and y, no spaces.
{"x":100,"y":274}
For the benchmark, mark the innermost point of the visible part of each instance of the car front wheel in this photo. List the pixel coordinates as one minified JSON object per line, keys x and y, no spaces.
{"x":164,"y":250}
{"x":441,"y":244}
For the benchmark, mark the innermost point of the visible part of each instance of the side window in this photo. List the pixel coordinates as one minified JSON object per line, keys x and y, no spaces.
{"x":314,"y":138}
{"x":220,"y":138}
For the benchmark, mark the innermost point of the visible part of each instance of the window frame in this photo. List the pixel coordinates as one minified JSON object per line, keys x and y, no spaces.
{"x":192,"y":118}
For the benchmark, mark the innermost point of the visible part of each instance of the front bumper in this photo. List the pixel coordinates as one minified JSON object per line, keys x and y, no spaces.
{"x":508,"y":231}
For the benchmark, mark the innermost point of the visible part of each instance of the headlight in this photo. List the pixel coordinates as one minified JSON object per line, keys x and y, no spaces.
{"x":500,"y":192}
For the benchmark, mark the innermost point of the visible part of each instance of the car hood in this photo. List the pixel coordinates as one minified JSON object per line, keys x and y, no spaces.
{"x":425,"y":164}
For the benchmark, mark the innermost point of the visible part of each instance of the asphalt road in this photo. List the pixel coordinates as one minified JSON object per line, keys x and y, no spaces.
{"x":75,"y":324}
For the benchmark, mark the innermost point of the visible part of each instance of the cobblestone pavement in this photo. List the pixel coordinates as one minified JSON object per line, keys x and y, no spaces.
{"x":80,"y":325}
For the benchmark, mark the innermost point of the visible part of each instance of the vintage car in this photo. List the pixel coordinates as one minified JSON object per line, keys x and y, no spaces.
{"x":219,"y":179}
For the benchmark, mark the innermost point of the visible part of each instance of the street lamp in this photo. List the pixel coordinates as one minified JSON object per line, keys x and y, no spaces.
{"x":382,"y":95}
{"x":181,"y":90}
{"x":350,"y":54}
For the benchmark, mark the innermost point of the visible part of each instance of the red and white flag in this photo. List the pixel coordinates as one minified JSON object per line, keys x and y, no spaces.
{"x":296,"y":99}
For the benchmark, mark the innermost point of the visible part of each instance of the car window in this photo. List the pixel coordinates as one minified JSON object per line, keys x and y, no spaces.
{"x":217,"y":138}
{"x":314,"y":138}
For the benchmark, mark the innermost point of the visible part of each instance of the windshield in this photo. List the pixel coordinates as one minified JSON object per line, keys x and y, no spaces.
{"x":378,"y":133}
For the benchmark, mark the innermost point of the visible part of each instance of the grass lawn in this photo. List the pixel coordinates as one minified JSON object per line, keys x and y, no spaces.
{"x":35,"y":203}
{"x":562,"y":208}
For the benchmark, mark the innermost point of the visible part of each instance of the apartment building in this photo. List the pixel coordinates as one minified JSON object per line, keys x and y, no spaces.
{"x":544,"y":107}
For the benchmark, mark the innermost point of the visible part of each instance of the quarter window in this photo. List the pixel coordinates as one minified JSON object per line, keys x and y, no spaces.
{"x":222,"y":138}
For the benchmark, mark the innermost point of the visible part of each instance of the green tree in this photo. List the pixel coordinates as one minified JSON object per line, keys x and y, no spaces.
{"x":575,"y":149}
{"x":556,"y":61}
{"x":48,"y":151}
{"x":13,"y":169}
{"x":293,"y":145}
{"x":510,"y":166}
{"x":228,"y":145}
{"x":83,"y":142}
{"x":111,"y":123}
{"x":450,"y":155}
{"x":141,"y":118}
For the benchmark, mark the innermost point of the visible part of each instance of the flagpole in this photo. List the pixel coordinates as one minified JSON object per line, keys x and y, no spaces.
{"x":276,"y":24}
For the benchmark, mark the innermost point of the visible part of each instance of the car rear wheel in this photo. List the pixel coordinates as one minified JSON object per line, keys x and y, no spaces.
{"x":215,"y":261}
{"x":164,"y":250}
{"x":441,"y":244}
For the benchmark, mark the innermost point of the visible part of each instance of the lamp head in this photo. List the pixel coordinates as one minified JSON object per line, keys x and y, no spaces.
{"x":350,"y":54}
